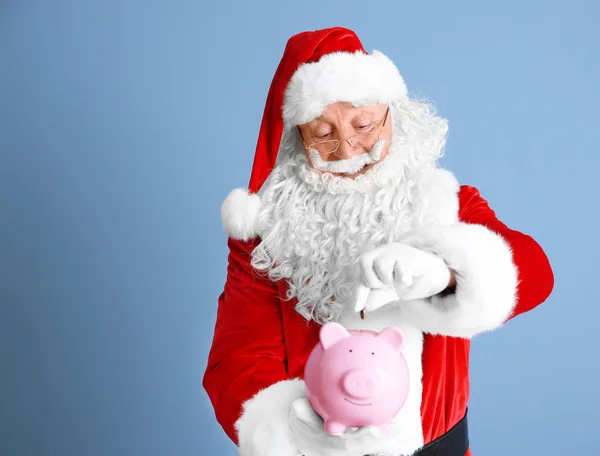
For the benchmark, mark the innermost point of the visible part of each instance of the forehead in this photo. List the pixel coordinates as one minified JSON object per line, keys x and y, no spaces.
{"x":342,"y":111}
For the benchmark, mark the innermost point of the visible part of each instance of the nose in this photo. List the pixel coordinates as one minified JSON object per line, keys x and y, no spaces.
{"x":346,"y":151}
{"x":360,"y":384}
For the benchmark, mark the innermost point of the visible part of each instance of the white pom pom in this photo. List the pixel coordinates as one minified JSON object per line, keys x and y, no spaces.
{"x":240,"y":213}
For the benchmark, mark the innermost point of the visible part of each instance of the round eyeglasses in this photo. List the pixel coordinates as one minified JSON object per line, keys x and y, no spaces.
{"x":365,"y":140}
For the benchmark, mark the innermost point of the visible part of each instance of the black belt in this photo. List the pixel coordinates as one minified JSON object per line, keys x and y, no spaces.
{"x":455,"y":442}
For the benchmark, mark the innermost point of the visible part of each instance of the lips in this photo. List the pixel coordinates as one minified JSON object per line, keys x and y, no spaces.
{"x":356,"y":403}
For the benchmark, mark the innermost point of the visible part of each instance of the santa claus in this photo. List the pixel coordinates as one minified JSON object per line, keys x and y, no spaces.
{"x":349,"y":218}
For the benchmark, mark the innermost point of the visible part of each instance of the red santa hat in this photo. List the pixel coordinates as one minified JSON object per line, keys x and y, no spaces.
{"x":317,"y":68}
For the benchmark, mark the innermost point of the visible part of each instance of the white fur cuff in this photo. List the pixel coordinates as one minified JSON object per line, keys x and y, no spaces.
{"x":486,"y":281}
{"x":263,"y":429}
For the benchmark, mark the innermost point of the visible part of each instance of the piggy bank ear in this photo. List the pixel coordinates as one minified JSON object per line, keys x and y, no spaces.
{"x":332,"y":332}
{"x":393,"y":336}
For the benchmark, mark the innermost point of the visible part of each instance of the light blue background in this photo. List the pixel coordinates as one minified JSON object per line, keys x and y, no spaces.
{"x":123,"y":126}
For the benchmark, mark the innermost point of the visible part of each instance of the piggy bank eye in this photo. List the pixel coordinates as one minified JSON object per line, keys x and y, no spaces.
{"x":372,"y":353}
{"x":350,"y":350}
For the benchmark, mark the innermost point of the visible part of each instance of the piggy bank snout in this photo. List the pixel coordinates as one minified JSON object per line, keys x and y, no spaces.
{"x":360,"y":384}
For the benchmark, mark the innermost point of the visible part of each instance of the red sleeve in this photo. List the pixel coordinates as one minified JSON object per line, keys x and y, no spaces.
{"x":247,"y":352}
{"x":536,"y":279}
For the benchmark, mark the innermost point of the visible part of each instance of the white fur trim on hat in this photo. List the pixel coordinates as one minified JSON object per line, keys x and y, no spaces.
{"x":357,"y":78}
{"x":240,"y":213}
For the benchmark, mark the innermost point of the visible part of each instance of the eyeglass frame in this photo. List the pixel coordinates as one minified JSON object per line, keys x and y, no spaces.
{"x":339,"y":141}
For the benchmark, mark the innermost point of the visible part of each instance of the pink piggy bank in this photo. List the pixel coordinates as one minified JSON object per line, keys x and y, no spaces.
{"x":357,"y":378}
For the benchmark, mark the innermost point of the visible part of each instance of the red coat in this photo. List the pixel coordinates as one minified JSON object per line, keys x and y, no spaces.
{"x":261,"y":340}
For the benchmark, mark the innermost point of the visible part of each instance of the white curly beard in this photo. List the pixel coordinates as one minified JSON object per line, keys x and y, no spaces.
{"x":315,"y":225}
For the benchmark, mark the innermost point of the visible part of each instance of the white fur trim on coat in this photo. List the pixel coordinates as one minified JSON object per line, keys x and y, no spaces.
{"x":263,"y":428}
{"x":357,"y":78}
{"x":486,"y":281}
{"x":240,"y":214}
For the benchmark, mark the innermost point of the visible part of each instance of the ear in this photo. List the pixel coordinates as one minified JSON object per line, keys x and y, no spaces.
{"x":393,"y":336}
{"x":331,"y":333}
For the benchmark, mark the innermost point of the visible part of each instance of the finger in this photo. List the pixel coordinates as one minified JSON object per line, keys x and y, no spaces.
{"x":384,"y":268}
{"x":369,"y":276}
{"x":403,"y":291}
{"x":421,"y":289}
{"x":362,"y":296}
{"x":304,"y":412}
{"x":403,"y":275}
{"x":381,"y":297}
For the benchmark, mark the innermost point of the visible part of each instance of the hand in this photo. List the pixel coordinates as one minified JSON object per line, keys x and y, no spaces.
{"x":307,"y":430}
{"x":412,"y":273}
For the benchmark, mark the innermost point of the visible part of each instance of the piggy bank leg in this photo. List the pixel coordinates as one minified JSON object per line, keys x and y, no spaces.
{"x":334,"y":428}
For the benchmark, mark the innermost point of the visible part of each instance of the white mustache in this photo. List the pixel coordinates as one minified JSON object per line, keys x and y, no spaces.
{"x":349,"y":166}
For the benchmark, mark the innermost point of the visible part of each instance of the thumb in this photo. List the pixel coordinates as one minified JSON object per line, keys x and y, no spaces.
{"x":362,"y":296}
{"x":303,"y":411}
{"x":381,"y":297}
